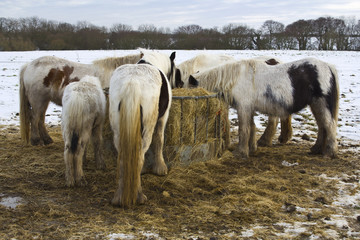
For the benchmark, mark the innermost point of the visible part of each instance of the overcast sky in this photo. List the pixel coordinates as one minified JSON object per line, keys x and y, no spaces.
{"x":175,"y":13}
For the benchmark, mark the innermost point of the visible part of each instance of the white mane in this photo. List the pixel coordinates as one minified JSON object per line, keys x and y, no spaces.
{"x":222,"y":78}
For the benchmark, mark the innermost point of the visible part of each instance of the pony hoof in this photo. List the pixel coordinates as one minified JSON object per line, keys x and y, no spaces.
{"x":160,"y":170}
{"x":48,"y":141}
{"x":82,"y":182}
{"x":316,"y":149}
{"x":263,"y":143}
{"x":36,"y":141}
{"x":141,"y":199}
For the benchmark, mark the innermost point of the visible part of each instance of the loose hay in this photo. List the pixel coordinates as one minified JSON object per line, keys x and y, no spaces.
{"x":217,"y":199}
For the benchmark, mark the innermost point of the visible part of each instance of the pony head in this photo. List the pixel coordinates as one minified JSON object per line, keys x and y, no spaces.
{"x":162,"y":61}
{"x":193,"y":83}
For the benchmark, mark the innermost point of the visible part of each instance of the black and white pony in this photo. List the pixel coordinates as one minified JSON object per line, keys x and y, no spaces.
{"x":139,"y":103}
{"x":44,"y":80}
{"x":82,"y":118}
{"x":162,"y":61}
{"x":278,"y":90}
{"x":205,"y":61}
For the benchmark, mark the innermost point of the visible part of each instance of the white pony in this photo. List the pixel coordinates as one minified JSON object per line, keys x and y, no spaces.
{"x":278,"y":90}
{"x":205,"y":61}
{"x":196,"y":64}
{"x":139,"y":103}
{"x":162,"y":61}
{"x":44,"y":79}
{"x":83,"y":116}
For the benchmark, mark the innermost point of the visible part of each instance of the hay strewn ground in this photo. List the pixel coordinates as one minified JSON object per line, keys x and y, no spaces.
{"x":226,"y":198}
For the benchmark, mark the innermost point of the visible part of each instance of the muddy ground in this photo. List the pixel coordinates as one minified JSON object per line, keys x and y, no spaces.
{"x":281,"y":192}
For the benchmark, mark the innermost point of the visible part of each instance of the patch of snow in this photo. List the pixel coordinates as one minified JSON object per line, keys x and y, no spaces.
{"x":287,"y":164}
{"x":11,"y":202}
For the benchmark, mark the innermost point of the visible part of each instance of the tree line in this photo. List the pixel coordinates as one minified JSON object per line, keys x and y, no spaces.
{"x":324,"y":33}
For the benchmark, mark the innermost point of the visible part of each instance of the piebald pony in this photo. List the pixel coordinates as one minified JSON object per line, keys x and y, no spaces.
{"x":139,"y":102}
{"x":278,"y":90}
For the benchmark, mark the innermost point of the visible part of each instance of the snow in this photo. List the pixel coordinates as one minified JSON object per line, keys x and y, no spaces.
{"x":10,"y":202}
{"x":347,"y":64}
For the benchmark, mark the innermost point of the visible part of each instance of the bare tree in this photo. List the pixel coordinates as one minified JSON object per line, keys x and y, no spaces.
{"x":301,"y":31}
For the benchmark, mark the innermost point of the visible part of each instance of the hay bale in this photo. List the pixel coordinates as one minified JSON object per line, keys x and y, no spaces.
{"x":198,"y":126}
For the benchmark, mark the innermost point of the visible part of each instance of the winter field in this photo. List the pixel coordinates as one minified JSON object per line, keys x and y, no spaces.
{"x":342,"y":222}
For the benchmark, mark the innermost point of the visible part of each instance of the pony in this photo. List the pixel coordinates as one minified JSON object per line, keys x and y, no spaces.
{"x":139,"y":102}
{"x":205,"y":61}
{"x":82,"y":118}
{"x":278,"y":90}
{"x":44,"y":80}
{"x":197,"y":64}
{"x":162,"y":61}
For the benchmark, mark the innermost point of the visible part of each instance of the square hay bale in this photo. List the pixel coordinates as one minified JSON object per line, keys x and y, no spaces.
{"x":198,"y":127}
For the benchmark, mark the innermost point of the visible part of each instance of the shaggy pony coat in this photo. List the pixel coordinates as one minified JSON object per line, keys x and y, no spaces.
{"x":44,"y":80}
{"x":139,"y":102}
{"x":83,"y":116}
{"x":278,"y":90}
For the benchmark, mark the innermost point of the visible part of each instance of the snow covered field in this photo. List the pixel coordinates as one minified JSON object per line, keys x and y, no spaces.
{"x":347,"y":64}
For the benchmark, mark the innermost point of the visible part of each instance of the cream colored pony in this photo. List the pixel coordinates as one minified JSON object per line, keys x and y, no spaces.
{"x":139,"y":103}
{"x":44,"y":79}
{"x":205,"y":61}
{"x":82,"y":118}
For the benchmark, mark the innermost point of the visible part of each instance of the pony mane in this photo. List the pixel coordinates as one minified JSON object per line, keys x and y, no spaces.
{"x":222,"y":78}
{"x":111,"y":63}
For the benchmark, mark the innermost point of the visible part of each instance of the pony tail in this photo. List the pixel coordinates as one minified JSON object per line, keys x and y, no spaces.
{"x":130,"y":145}
{"x":25,"y":113}
{"x":334,"y":101}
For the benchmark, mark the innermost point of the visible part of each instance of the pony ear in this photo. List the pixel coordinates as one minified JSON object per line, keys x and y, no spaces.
{"x":172,"y":56}
{"x":193,"y":81}
{"x":178,"y":82}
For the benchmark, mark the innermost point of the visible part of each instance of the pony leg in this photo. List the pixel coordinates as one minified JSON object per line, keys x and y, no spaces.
{"x":97,"y":140}
{"x":244,"y":134}
{"x":326,"y":142}
{"x":44,"y":135}
{"x":252,"y":140}
{"x":286,"y":130}
{"x":141,"y":197}
{"x":37,"y":115}
{"x":69,"y":166}
{"x":78,"y":164}
{"x":159,"y":167}
{"x":270,"y":130}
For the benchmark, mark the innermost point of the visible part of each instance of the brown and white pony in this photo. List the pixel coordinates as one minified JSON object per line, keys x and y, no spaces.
{"x":44,"y":80}
{"x":205,"y":61}
{"x":278,"y":90}
{"x":82,"y":119}
{"x":139,"y":103}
